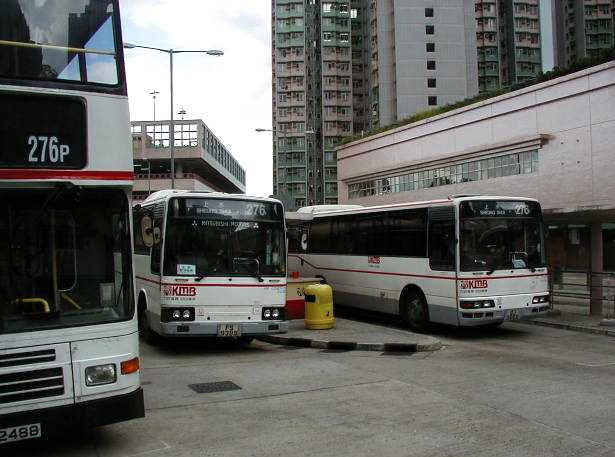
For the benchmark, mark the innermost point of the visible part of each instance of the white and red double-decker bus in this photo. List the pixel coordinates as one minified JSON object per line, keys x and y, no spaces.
{"x":69,"y":352}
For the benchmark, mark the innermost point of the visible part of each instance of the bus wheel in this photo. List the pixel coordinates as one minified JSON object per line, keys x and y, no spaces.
{"x":145,"y":331}
{"x":246,"y":339}
{"x":414,"y":311}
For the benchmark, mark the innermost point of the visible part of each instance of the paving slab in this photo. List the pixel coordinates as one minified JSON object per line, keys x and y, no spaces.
{"x":353,"y":335}
{"x":575,"y":322}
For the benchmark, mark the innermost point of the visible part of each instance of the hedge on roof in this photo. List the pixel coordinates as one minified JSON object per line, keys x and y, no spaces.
{"x":606,"y":55}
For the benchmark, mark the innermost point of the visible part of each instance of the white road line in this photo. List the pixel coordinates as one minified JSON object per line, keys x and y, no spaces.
{"x":599,"y":364}
{"x":152,"y":451}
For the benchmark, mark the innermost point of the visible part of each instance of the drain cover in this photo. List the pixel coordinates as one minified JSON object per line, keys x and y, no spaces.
{"x":208,"y":387}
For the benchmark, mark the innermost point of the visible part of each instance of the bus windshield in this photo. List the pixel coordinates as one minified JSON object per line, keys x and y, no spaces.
{"x":218,"y":237}
{"x":64,"y":258}
{"x":501,"y":235}
{"x":63,"y":40}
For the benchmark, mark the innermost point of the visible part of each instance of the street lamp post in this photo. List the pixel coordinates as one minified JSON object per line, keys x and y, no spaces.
{"x":170,"y":52}
{"x":153,"y":94}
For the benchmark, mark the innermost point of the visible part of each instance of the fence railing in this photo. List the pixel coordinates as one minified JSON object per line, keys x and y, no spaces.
{"x":583,"y":291}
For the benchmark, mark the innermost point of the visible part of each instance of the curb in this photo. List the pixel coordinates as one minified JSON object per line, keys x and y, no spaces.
{"x":350,"y":345}
{"x":573,"y":327}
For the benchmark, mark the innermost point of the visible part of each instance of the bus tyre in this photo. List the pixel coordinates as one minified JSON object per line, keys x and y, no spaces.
{"x":414,"y":311}
{"x":145,"y":331}
{"x":246,"y":339}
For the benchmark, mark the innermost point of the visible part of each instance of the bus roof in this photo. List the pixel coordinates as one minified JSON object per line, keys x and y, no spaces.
{"x":168,"y":193}
{"x":333,"y":210}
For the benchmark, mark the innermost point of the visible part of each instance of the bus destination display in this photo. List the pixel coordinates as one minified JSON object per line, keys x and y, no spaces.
{"x":42,"y":132}
{"x":226,"y":209}
{"x":494,"y":208}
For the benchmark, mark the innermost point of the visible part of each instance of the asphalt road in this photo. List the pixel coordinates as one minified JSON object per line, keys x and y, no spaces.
{"x":520,"y":390}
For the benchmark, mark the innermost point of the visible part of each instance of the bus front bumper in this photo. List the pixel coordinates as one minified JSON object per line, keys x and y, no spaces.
{"x":486,"y":316}
{"x":211,"y":328}
{"x":79,"y":416}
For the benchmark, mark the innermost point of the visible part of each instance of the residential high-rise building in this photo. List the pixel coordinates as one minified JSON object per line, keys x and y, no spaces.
{"x":581,"y":28}
{"x":345,"y":66}
{"x":508,"y":42}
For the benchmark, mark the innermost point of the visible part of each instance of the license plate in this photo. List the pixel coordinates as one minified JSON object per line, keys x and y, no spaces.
{"x":513,"y":315}
{"x":226,"y":330}
{"x":20,"y":432}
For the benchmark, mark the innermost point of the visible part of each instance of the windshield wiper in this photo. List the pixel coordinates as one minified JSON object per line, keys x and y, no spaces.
{"x":199,"y":278}
{"x":254,"y":274}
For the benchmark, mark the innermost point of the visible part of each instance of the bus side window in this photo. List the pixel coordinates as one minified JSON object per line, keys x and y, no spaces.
{"x":157,"y":232}
{"x":442,"y":239}
{"x":320,"y":233}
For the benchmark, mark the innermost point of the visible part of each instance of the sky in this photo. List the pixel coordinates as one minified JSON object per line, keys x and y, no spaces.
{"x":231,"y":94}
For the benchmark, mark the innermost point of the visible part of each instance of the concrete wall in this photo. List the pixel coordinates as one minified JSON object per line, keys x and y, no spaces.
{"x":570,"y":119}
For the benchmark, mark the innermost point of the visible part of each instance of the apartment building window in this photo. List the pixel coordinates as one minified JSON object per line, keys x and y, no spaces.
{"x":431,"y":82}
{"x":430,"y":47}
{"x":430,"y":29}
{"x":428,"y":12}
{"x":431,"y":64}
{"x":432,"y":100}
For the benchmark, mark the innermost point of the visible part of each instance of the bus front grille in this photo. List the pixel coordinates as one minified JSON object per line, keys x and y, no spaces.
{"x":28,"y":385}
{"x":27,"y":358}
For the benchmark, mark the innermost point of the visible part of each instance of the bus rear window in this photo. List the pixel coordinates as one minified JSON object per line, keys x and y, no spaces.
{"x":71,"y":41}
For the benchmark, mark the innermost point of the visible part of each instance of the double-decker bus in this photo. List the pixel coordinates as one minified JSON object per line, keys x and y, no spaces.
{"x":463,"y":261}
{"x":69,"y":353}
{"x":210,"y":264}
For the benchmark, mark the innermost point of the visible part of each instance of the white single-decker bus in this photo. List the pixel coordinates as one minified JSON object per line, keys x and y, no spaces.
{"x":461,"y":261}
{"x":210,"y":264}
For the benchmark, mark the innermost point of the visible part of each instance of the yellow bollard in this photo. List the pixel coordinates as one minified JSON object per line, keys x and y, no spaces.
{"x":319,"y":307}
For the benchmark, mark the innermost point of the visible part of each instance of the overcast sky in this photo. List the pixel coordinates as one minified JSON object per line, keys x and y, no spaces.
{"x":232,"y":93}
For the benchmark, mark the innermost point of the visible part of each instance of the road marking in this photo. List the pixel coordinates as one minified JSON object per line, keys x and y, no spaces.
{"x":603,"y":364}
{"x":165,"y":447}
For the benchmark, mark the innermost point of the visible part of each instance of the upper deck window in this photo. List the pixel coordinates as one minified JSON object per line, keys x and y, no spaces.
{"x":71,"y":41}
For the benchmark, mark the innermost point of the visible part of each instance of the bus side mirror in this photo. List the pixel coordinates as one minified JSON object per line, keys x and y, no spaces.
{"x":146,"y":226}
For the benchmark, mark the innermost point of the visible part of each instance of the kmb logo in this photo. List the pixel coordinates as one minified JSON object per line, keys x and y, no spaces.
{"x":179,"y":291}
{"x":474,"y":284}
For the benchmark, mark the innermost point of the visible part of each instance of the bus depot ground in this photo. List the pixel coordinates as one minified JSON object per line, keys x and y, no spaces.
{"x":517,"y":390}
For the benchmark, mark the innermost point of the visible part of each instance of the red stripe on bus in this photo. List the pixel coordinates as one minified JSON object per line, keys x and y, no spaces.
{"x":416,"y":275}
{"x":383,"y":273}
{"x":183,"y":284}
{"x":503,"y":277}
{"x":19,"y":173}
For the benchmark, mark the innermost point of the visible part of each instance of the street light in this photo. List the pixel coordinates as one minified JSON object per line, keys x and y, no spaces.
{"x":153,"y":94}
{"x":170,"y":52}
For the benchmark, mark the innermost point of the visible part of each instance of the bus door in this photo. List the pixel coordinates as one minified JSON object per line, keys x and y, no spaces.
{"x":441,"y":290}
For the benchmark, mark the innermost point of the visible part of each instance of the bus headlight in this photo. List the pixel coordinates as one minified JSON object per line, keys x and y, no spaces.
{"x":477,"y":304}
{"x":540,"y":299}
{"x":273,"y":313}
{"x":176,"y":314}
{"x":100,"y":375}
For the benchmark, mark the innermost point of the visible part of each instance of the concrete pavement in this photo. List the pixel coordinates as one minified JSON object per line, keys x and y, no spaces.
{"x":520,"y":390}
{"x":355,"y":335}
